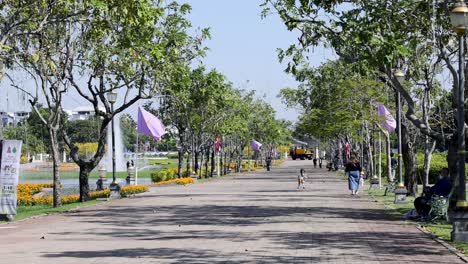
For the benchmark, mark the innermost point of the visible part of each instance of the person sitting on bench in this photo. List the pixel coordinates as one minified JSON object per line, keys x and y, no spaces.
{"x":441,"y":188}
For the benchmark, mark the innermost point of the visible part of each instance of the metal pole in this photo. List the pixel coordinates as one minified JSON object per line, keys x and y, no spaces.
{"x":400,"y":176}
{"x":113,"y":146}
{"x":380,"y":160}
{"x":461,"y":121}
{"x":136,"y":158}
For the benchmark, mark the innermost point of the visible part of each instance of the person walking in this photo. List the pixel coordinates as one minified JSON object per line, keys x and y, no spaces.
{"x":336,"y":162}
{"x":353,"y":168}
{"x":268,"y":163}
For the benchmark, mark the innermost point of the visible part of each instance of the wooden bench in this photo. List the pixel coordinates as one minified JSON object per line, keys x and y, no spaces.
{"x":390,"y":187}
{"x":440,"y":206}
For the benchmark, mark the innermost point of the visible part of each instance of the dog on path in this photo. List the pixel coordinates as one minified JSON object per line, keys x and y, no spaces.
{"x":301,"y":179}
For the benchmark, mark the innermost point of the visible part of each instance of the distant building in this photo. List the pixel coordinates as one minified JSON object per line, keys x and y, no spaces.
{"x":82,"y":113}
{"x":13,"y":118}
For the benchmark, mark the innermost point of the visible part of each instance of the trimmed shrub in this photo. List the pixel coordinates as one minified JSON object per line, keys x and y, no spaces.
{"x":169,"y":175}
{"x":163,"y":175}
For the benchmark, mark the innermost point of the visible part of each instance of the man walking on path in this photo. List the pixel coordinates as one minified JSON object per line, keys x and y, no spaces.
{"x":256,"y":217}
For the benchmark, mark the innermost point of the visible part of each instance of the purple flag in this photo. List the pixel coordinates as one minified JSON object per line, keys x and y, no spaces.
{"x":388,"y":122}
{"x":150,"y":125}
{"x":256,"y":145}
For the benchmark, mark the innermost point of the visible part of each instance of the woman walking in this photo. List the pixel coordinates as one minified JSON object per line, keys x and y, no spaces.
{"x":353,"y":168}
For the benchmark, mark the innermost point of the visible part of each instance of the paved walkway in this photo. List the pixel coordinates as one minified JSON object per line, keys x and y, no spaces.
{"x":257,"y":218}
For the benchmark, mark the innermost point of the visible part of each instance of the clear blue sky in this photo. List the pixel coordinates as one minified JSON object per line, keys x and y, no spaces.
{"x":243,"y":47}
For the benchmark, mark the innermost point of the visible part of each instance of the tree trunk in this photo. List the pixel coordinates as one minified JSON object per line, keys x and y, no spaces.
{"x":452,"y":159}
{"x":196,"y":157}
{"x":221,"y":163}
{"x":225,"y":163}
{"x":370,"y":159}
{"x":248,"y":158}
{"x":200,"y":172}
{"x":240,"y":158}
{"x":188,"y":164}
{"x":206,"y":161}
{"x":213,"y":164}
{"x":428,"y":150}
{"x":388,"y":152}
{"x":55,"y":166}
{"x":84,"y":184}
{"x":179,"y":165}
{"x":409,"y":160}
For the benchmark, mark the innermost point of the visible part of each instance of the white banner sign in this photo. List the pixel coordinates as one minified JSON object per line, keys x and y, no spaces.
{"x":9,"y":172}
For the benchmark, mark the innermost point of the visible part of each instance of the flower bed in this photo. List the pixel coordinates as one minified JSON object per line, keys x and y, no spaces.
{"x":27,"y":190}
{"x":183,"y":181}
{"x":133,"y":189}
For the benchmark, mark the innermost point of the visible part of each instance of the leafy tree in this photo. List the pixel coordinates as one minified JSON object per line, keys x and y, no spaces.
{"x":132,"y":47}
{"x":378,"y":34}
{"x":83,"y":131}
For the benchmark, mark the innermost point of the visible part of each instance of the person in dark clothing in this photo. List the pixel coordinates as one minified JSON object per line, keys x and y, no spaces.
{"x":441,"y":188}
{"x":336,"y":162}
{"x":268,"y":163}
{"x":443,"y":185}
{"x":353,"y":168}
{"x":315,"y":162}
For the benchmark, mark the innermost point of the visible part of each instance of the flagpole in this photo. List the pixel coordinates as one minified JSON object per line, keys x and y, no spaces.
{"x":137,"y":147}
{"x":136,"y":158}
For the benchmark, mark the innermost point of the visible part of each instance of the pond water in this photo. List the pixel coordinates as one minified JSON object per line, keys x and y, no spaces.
{"x":69,"y":183}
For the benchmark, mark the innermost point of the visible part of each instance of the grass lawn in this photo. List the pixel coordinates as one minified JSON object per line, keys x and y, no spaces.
{"x":440,"y":229}
{"x":30,"y":211}
{"x":388,"y":200}
{"x":165,"y":163}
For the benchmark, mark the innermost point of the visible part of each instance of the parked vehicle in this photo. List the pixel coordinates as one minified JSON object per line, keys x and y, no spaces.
{"x":301,"y":153}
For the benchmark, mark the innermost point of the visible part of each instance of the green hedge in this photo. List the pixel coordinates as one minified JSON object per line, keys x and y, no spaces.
{"x":438,"y":162}
{"x":163,"y":175}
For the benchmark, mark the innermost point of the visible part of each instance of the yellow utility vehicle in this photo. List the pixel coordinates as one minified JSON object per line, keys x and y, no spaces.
{"x":301,"y":153}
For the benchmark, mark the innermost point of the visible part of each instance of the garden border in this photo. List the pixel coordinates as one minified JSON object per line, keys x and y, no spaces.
{"x":451,"y":248}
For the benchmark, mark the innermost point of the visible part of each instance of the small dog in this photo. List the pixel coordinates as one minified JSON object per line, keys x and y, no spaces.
{"x":301,"y":179}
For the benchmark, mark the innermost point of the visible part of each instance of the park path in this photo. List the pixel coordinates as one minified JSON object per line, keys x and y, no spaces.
{"x":256,"y":218}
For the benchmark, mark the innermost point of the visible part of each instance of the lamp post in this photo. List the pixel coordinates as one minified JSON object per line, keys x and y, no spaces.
{"x":459,"y":19}
{"x":114,"y":187}
{"x":400,"y":192}
{"x":400,"y":76}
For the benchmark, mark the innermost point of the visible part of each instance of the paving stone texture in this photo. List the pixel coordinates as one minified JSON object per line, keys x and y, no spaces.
{"x":257,"y":218}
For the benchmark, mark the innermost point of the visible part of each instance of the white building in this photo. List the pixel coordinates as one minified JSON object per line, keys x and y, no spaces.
{"x":82,"y":113}
{"x":13,"y":118}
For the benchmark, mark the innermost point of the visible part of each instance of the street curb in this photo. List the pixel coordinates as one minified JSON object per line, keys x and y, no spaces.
{"x":452,"y":249}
